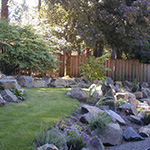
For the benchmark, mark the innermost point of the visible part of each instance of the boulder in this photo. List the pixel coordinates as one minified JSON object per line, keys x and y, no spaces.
{"x":136,"y":119}
{"x":130,"y":135}
{"x":128,"y":108}
{"x":138,"y":95}
{"x":131,"y":95}
{"x":86,"y":118}
{"x":10,"y":84}
{"x":2,"y":101}
{"x":78,"y":94}
{"x":108,"y":96}
{"x":47,"y":80}
{"x":48,"y":147}
{"x":9,"y":96}
{"x":145,"y":85}
{"x":112,"y":134}
{"x":59,"y":82}
{"x":145,"y":129}
{"x":128,"y":83}
{"x":39,"y":83}
{"x":116,"y":117}
{"x":122,"y":95}
{"x":95,"y":144}
{"x":147,"y":100}
{"x":146,"y":92}
{"x":25,"y":81}
{"x":109,"y":81}
{"x":135,"y":102}
{"x":91,"y":109}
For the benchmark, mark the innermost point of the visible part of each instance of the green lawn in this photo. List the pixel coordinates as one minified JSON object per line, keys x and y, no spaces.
{"x":19,"y":123}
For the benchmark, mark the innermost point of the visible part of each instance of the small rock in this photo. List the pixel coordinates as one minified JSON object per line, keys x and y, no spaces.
{"x":128,"y":83}
{"x":146,"y":92}
{"x":135,"y":102}
{"x":48,"y":147}
{"x":138,"y":95}
{"x":137,"y":119}
{"x":130,"y":135}
{"x":129,"y":109}
{"x":122,"y":95}
{"x":116,"y":117}
{"x":96,"y":144}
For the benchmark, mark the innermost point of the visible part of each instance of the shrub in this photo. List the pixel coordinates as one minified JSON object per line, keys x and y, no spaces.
{"x":18,"y":93}
{"x":120,"y":102}
{"x":75,"y":141}
{"x":21,"y":48}
{"x":93,"y":68}
{"x":100,"y":122}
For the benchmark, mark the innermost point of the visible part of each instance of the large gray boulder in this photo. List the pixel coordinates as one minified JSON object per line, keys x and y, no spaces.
{"x":128,"y":108}
{"x":111,"y":136}
{"x":59,"y":82}
{"x":78,"y":93}
{"x":39,"y":83}
{"x":95,"y":144}
{"x":86,"y":118}
{"x":10,"y":84}
{"x":48,"y":147}
{"x":116,"y":117}
{"x":146,"y":92}
{"x":130,"y":135}
{"x":92,"y":109}
{"x":108,"y":96}
{"x":8,"y":96}
{"x":25,"y":81}
{"x":2,"y":101}
{"x":145,"y":129}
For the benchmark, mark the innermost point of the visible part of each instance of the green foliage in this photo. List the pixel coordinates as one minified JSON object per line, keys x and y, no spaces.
{"x":18,"y":93}
{"x":75,"y":141}
{"x":100,"y":122}
{"x":1,"y":86}
{"x":56,"y":137}
{"x":134,"y":86}
{"x":41,"y":135}
{"x":93,"y":68}
{"x":23,"y":49}
{"x":120,"y":102}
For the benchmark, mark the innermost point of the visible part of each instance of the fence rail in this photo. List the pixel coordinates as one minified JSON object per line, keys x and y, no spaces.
{"x":120,"y":69}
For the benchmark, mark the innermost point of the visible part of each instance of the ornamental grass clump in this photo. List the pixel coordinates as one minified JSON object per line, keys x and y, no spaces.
{"x":100,"y":122}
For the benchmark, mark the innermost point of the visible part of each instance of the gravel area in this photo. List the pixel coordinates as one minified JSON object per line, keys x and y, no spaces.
{"x":138,"y":145}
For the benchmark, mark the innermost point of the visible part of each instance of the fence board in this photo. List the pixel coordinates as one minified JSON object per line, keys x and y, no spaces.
{"x":120,"y":69}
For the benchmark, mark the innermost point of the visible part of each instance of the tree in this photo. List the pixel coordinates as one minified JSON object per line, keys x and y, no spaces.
{"x":118,"y":23}
{"x":23,"y":49}
{"x":4,"y":9}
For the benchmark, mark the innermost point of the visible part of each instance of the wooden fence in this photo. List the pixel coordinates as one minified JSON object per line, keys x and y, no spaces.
{"x":120,"y":69}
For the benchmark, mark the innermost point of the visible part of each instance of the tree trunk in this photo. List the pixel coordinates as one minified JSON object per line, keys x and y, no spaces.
{"x":113,"y":54}
{"x":88,"y":53}
{"x":68,"y":63}
{"x":4,"y":10}
{"x":119,"y":54}
{"x":39,"y":5}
